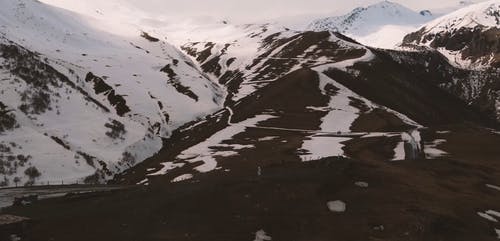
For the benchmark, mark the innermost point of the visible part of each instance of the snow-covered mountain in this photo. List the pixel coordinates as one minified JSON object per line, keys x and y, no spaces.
{"x":382,"y":25}
{"x":78,"y":102}
{"x":87,"y":95}
{"x":469,"y":37}
{"x":310,"y":95}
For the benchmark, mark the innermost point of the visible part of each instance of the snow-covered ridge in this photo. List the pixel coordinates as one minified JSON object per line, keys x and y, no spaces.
{"x":372,"y":25}
{"x":484,"y":15}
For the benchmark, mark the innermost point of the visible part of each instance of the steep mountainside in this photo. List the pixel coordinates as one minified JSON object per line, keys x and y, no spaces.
{"x":269,"y":52}
{"x":313,"y":95}
{"x":469,"y":37}
{"x":78,"y":103}
{"x":383,"y":24}
{"x":280,"y":51}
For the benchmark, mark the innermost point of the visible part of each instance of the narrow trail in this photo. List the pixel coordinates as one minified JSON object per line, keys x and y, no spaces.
{"x":304,"y":59}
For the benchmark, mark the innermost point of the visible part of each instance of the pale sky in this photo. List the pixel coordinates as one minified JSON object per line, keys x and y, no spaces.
{"x":247,"y":10}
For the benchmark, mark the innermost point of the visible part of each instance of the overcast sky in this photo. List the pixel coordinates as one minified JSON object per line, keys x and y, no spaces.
{"x":250,"y":10}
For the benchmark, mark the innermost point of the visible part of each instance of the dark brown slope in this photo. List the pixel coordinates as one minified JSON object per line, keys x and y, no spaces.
{"x":397,"y":80}
{"x":435,"y":199}
{"x":479,"y":45}
{"x":418,"y":85}
{"x":279,"y":53}
{"x":406,"y":201}
{"x":288,"y":97}
{"x":422,"y":84}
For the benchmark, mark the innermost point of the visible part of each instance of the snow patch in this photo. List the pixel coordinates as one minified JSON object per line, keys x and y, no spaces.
{"x":261,"y":235}
{"x":361,"y":184}
{"x":443,"y":132}
{"x":493,"y":213}
{"x":268,"y":138}
{"x":487,"y":216}
{"x":317,"y":147}
{"x":183,"y":177}
{"x":431,"y":151}
{"x":143,"y":182}
{"x":204,"y":152}
{"x":337,"y":206}
{"x":493,"y":187}
{"x":167,"y":166}
{"x":399,"y":152}
{"x":341,"y":114}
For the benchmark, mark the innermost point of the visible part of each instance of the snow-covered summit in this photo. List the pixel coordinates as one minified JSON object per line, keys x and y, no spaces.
{"x":381,"y":25}
{"x":484,"y":15}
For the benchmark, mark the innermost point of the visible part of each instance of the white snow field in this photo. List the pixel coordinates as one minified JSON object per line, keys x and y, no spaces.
{"x":156,"y":85}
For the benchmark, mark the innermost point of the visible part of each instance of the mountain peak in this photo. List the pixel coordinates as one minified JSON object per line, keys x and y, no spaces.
{"x":362,"y":23}
{"x":386,"y":4}
{"x":485,"y":14}
{"x":376,"y":14}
